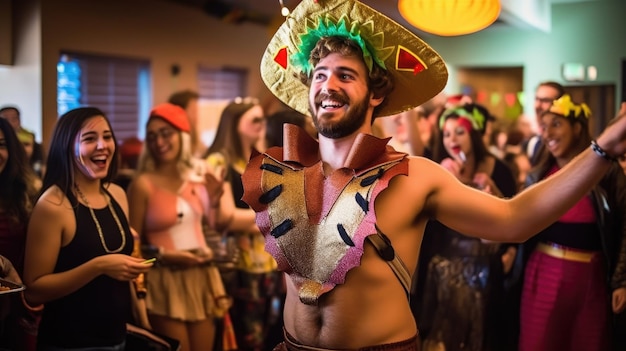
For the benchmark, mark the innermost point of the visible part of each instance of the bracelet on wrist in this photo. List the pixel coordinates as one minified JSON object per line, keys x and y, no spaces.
{"x":600,"y":151}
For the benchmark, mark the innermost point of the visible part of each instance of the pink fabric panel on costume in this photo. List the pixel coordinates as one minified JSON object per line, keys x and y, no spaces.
{"x":271,"y":244}
{"x":196,"y":196}
{"x":162,"y":214}
{"x":367,"y":227}
{"x":582,"y":212}
{"x":564,"y":305}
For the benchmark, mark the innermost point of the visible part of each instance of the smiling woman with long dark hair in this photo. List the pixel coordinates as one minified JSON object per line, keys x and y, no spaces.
{"x":79,"y":244}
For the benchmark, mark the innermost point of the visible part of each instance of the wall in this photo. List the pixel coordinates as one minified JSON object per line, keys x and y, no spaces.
{"x":587,"y":32}
{"x":6,"y":32}
{"x":504,"y":81}
{"x":20,"y":83}
{"x":166,"y":33}
{"x":162,"y":32}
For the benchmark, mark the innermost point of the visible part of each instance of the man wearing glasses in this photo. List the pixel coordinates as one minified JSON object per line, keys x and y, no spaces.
{"x":546,"y":92}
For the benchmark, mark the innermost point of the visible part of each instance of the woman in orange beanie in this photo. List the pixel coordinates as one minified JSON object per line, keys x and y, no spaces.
{"x":171,"y":200}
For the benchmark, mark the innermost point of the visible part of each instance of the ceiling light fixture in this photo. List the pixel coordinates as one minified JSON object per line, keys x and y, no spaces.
{"x":450,"y":17}
{"x":283,"y":9}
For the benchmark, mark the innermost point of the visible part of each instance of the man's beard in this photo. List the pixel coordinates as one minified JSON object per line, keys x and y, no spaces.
{"x":348,"y":124}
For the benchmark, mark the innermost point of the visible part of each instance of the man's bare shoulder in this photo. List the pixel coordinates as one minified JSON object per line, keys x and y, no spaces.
{"x":425,"y":178}
{"x":406,"y":196}
{"x":422,"y":161}
{"x":423,"y":170}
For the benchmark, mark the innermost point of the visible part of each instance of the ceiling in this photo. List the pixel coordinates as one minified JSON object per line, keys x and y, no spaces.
{"x":530,"y":14}
{"x":264,"y":11}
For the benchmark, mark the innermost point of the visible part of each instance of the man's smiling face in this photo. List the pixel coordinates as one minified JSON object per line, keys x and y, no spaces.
{"x":339,"y":95}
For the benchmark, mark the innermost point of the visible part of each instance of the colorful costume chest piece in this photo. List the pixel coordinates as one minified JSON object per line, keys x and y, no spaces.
{"x":314,"y":226}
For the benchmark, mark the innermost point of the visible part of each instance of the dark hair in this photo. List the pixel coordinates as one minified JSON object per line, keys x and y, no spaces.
{"x":431,"y":106}
{"x":275,"y":122}
{"x":554,"y":85}
{"x":482,"y":110}
{"x":17,"y":178}
{"x":510,"y":159}
{"x":60,"y":164}
{"x":227,"y":140}
{"x":182,"y":98}
{"x":10,"y":108}
{"x":380,"y":81}
{"x":514,"y":137}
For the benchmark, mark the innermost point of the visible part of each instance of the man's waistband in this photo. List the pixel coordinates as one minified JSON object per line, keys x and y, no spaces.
{"x":411,"y":344}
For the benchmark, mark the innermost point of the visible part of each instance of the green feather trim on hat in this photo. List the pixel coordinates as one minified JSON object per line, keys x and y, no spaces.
{"x":327,"y":27}
{"x":418,"y":72}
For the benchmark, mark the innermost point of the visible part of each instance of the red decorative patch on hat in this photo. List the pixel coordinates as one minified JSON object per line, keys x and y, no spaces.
{"x":281,"y":57}
{"x":408,"y":61}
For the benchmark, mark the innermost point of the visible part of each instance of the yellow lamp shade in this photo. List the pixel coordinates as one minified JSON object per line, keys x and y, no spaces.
{"x":449,"y":17}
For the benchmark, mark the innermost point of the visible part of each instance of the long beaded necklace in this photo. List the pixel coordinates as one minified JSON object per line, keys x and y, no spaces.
{"x":95,"y":219}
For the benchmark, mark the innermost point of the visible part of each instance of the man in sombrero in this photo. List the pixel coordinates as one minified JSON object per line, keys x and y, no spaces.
{"x":344,"y":215}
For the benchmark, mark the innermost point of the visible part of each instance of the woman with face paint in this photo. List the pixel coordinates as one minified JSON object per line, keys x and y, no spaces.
{"x":465,"y":278}
{"x":172,"y":199}
{"x":79,"y":242}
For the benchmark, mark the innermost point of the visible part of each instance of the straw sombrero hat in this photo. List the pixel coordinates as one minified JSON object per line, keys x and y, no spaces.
{"x":419,"y":73}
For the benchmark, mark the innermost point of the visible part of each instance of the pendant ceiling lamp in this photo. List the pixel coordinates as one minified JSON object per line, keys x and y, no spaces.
{"x":449,"y":17}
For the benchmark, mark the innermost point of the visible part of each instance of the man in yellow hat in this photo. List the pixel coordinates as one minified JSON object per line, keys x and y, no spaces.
{"x":344,"y":215}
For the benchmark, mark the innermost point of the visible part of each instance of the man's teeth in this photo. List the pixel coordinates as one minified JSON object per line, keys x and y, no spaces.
{"x":331,"y":104}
